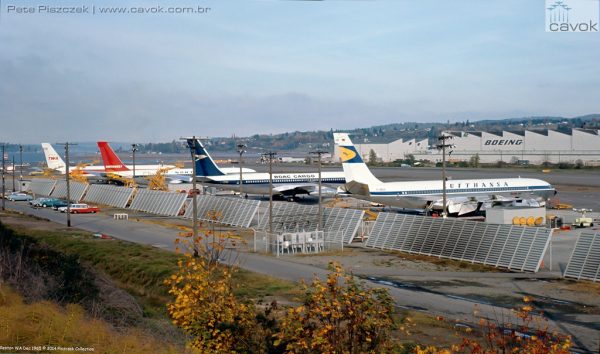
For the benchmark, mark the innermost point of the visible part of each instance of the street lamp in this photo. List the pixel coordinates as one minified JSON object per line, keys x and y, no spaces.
{"x":241,"y":151}
{"x":319,"y":153}
{"x":134,"y":148}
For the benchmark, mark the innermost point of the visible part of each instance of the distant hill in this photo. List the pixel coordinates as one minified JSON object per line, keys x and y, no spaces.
{"x":310,"y":140}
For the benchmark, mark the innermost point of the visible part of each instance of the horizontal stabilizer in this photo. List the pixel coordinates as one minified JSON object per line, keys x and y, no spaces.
{"x":354,"y":187}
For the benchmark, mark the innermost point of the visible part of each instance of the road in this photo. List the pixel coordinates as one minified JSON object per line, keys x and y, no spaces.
{"x":461,"y":309}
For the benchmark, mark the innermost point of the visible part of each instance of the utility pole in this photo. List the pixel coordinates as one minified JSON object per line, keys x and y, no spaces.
{"x":13,"y":173}
{"x":241,"y":151}
{"x":271,"y":155}
{"x":68,"y":178}
{"x":21,"y":167}
{"x":3,"y":185}
{"x":443,"y":146}
{"x":319,"y":153}
{"x":192,"y":145}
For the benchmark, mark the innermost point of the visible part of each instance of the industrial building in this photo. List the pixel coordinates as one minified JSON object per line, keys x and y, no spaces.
{"x":525,"y":147}
{"x":396,"y":150}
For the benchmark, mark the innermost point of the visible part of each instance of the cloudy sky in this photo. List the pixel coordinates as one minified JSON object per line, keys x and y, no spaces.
{"x":253,"y":66}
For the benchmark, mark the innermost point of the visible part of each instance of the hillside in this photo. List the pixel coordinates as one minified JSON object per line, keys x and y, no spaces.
{"x":306,"y":141}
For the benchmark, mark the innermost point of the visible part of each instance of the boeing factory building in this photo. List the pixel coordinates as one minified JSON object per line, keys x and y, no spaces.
{"x":529,"y":146}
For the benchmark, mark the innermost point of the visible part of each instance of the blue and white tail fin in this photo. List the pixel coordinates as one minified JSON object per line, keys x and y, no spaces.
{"x":354,"y":167}
{"x":53,"y":159}
{"x":205,"y":165}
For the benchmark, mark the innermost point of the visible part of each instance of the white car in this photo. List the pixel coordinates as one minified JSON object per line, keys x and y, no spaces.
{"x":79,"y":209}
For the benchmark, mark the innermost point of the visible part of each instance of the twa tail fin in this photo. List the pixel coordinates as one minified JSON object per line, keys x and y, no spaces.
{"x":205,"y":165}
{"x":112,"y":162}
{"x":53,"y":159}
{"x":354,"y":167}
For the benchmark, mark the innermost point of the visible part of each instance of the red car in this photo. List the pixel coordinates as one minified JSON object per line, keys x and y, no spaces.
{"x":80,"y":209}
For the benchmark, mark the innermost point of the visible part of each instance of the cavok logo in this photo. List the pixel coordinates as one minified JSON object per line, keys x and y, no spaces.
{"x":572,"y":15}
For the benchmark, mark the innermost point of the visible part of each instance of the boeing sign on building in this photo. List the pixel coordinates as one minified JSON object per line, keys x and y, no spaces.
{"x":534,"y":146}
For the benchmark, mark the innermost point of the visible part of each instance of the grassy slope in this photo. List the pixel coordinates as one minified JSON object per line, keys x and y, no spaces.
{"x":141,"y":269}
{"x":46,"y":323}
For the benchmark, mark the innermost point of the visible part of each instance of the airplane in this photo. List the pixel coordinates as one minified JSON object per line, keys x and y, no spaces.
{"x":114,"y":165}
{"x":287,"y":184}
{"x":464,"y":196}
{"x":55,"y":162}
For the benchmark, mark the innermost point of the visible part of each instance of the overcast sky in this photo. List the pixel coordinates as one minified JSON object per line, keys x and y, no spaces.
{"x":249,"y":67}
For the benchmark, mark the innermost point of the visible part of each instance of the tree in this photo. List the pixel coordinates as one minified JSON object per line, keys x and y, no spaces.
{"x":372,"y":157}
{"x":340,"y":315}
{"x":474,"y":161}
{"x":205,"y":306}
{"x":409,"y":159}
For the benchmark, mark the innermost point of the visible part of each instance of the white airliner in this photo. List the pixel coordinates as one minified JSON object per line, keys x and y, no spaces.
{"x":464,"y":195}
{"x":287,"y":184}
{"x":114,"y":165}
{"x":55,"y":162}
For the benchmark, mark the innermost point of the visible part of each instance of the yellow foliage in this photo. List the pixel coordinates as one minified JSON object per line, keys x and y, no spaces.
{"x":47,"y":324}
{"x":206,"y":308}
{"x":339,"y":317}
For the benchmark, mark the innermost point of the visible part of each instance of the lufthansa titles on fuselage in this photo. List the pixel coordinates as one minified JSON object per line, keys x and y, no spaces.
{"x":488,"y":184}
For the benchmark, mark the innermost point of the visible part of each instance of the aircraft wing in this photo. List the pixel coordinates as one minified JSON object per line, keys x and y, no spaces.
{"x":178,"y":179}
{"x":302,"y":188}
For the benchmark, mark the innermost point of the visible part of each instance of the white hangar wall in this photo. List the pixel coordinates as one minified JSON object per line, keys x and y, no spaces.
{"x":536,"y":147}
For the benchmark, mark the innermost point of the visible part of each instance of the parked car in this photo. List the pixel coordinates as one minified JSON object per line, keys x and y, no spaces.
{"x":57,"y":204}
{"x":52,"y":202}
{"x":80,"y":209}
{"x":20,"y":197}
{"x":38,"y":201}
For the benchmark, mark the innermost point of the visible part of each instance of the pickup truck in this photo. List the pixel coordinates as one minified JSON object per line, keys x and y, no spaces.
{"x":80,"y":209}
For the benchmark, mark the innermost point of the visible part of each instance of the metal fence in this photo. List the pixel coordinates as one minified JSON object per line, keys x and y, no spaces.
{"x":108,"y":195}
{"x":585,"y":259}
{"x":158,"y":202}
{"x":77,"y":190}
{"x":42,"y":187}
{"x":290,"y":243}
{"x":507,"y":246}
{"x":224,"y":210}
{"x":292,"y":217}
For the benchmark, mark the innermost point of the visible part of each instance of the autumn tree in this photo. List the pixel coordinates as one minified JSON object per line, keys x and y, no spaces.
{"x":205,"y":306}
{"x":339,"y":315}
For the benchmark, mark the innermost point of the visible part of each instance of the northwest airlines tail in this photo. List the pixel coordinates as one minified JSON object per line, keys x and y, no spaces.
{"x":354,"y":167}
{"x":112,"y":162}
{"x":53,"y":160}
{"x":205,"y":166}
